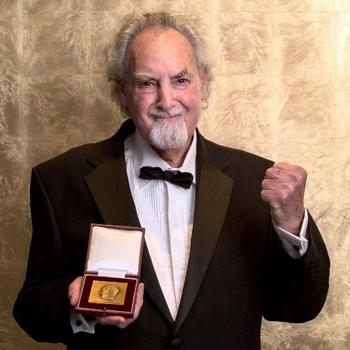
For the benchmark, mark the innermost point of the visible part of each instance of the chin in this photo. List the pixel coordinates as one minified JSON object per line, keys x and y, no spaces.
{"x":165,"y":134}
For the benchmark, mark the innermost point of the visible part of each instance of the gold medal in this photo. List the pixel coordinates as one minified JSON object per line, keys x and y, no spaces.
{"x":105,"y":292}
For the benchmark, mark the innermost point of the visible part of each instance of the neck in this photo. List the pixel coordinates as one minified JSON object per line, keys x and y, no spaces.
{"x":174,"y":157}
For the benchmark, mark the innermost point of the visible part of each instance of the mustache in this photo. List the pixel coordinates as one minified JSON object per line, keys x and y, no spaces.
{"x":160,"y":113}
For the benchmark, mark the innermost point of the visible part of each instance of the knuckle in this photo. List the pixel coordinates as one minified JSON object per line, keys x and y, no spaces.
{"x":285,"y":194}
{"x":277,"y":164}
{"x":269,"y":171}
{"x":299,"y":171}
{"x":264,"y":195}
{"x":281,"y":197}
{"x":302,"y":174}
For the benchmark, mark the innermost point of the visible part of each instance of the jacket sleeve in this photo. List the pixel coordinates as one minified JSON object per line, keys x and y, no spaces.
{"x":295,"y":290}
{"x":42,"y":308}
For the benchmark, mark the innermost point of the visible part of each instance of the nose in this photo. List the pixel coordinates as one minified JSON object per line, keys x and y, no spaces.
{"x":166,"y":96}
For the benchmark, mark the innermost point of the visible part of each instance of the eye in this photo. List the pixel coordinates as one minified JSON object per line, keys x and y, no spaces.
{"x":182,"y":82}
{"x":144,"y":84}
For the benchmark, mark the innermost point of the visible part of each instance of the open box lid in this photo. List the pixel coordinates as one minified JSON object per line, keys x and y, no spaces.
{"x":115,"y":251}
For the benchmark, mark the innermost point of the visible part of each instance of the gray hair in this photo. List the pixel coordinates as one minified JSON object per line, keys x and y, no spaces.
{"x":132,"y":26}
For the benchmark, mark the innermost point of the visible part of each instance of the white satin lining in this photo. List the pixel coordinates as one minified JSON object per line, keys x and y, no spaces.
{"x":114,"y":252}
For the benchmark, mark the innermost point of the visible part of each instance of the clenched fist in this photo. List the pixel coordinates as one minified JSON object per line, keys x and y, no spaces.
{"x":283,"y":189}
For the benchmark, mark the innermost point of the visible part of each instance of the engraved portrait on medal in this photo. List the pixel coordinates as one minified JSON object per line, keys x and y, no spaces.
{"x":106,"y":292}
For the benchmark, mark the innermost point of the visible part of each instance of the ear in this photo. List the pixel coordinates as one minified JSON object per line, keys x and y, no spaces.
{"x":122,"y":94}
{"x":203,"y":74}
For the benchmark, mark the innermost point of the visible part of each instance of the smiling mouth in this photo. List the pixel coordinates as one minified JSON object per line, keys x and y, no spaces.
{"x":166,"y":114}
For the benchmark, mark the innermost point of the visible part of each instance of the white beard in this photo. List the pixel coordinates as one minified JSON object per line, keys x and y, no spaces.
{"x":166,"y":133}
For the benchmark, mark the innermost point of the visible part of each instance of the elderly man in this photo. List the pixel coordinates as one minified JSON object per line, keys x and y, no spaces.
{"x":234,"y":244}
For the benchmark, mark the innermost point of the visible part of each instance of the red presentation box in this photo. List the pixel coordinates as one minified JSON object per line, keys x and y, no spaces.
{"x":112,"y":271}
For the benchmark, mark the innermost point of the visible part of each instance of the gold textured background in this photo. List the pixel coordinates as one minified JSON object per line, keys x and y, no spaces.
{"x":281,"y":90}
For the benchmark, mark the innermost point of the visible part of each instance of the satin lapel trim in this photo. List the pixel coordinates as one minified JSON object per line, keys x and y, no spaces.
{"x":109,"y":187}
{"x":152,"y":286}
{"x":212,"y":200}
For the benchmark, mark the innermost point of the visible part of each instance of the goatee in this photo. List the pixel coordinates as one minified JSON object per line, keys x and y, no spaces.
{"x":168,"y":133}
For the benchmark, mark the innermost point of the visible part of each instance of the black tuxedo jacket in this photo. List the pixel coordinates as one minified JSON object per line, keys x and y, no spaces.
{"x":237,"y":271}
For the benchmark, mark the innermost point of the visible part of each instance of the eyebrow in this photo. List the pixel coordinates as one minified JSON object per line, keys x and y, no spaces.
{"x":181,"y":74}
{"x":140,"y":78}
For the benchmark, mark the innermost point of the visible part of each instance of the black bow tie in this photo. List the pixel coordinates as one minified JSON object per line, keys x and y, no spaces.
{"x":175,"y":177}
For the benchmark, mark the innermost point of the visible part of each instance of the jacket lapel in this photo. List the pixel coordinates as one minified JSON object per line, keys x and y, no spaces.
{"x":212,"y":199}
{"x":109,"y":187}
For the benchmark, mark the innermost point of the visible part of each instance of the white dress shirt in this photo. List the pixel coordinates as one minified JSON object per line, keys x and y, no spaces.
{"x":166,"y":212}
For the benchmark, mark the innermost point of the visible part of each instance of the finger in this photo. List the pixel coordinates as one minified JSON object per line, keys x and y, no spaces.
{"x":74,"y":290}
{"x":138,"y":305}
{"x":275,"y":172}
{"x":111,"y":320}
{"x":282,"y":165}
{"x":121,"y":322}
{"x":139,"y":299}
{"x":286,"y":172}
{"x":274,"y":198}
{"x":277,"y":184}
{"x":289,"y":168}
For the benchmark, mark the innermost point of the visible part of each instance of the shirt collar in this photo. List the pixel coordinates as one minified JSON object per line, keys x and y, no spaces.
{"x":144,"y":155}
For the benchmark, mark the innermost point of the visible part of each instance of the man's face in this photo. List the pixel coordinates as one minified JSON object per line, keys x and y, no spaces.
{"x":164,"y":88}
